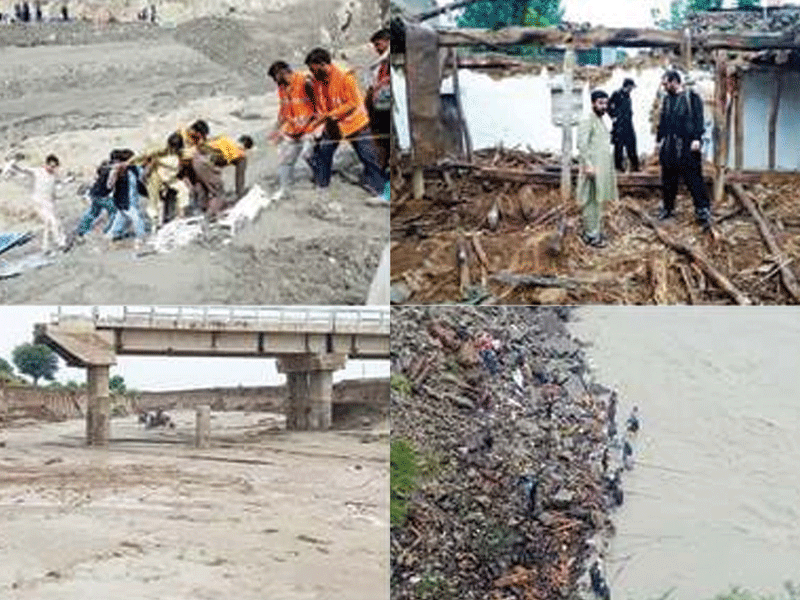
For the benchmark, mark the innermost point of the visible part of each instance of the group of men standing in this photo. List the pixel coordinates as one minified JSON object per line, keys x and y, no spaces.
{"x":680,"y":138}
{"x":25,"y":12}
{"x":325,"y":106}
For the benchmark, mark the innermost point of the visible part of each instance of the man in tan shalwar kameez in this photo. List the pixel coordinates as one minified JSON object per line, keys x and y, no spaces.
{"x":597,"y":178}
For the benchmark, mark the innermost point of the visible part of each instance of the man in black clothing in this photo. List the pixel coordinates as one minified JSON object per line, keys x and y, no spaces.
{"x":620,"y":109}
{"x":680,"y":133}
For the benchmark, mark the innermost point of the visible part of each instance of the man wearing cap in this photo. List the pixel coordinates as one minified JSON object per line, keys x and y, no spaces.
{"x":597,"y":179}
{"x":620,"y":109}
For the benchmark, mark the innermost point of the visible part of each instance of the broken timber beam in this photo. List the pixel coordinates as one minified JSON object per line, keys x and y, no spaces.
{"x":534,"y":280}
{"x":626,"y":37}
{"x":553,"y":177}
{"x":787,"y":275}
{"x":738,"y":296}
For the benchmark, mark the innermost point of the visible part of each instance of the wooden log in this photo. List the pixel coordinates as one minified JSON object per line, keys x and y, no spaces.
{"x":482,"y":258}
{"x":772,"y":120}
{"x":429,"y":14}
{"x":658,"y":273}
{"x":541,"y":176}
{"x":479,"y":251}
{"x":723,"y":282}
{"x":687,"y":280}
{"x":545,"y":281}
{"x":787,"y":275}
{"x":624,"y":37}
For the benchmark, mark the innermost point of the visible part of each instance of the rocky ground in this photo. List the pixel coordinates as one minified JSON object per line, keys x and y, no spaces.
{"x":262,"y":512}
{"x":488,"y":397}
{"x":81,"y":89}
{"x":511,"y":239}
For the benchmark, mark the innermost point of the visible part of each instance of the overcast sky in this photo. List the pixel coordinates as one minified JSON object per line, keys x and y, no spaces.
{"x":157,"y":373}
{"x":613,"y":13}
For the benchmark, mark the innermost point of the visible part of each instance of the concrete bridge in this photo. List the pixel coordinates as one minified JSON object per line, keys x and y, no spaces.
{"x":309,"y":344}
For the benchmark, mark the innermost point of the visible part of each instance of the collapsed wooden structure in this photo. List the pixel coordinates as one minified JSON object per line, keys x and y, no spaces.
{"x":727,"y":53}
{"x":519,"y":254}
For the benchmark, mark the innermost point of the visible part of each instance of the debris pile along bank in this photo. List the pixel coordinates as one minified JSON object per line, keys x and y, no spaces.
{"x":497,"y":231}
{"x":496,"y":401}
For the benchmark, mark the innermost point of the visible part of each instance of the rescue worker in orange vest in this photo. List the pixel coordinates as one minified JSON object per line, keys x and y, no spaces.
{"x":292,"y":131}
{"x":340,"y":108}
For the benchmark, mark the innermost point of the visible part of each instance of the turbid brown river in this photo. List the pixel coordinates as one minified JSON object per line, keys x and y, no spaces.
{"x":714,"y":499}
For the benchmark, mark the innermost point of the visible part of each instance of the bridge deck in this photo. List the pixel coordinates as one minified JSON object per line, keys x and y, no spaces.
{"x":364,"y":321}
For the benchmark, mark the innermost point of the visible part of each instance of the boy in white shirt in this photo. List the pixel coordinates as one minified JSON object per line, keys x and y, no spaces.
{"x":44,"y":198}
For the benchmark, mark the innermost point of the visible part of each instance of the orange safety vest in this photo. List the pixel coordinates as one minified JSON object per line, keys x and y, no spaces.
{"x":296,"y":107}
{"x":342,"y":99}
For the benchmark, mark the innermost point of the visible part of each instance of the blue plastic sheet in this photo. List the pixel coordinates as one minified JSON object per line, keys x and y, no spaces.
{"x":12,"y":240}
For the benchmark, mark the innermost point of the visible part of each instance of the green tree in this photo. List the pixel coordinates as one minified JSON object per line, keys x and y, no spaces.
{"x":494,"y":14}
{"x":36,"y":361}
{"x":746,"y":4}
{"x":701,"y":5}
{"x":74,"y":386}
{"x":6,"y":370}
{"x":117,"y":384}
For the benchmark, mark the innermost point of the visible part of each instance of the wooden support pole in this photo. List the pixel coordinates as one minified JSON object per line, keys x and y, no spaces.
{"x":467,"y":139}
{"x":686,"y":49}
{"x":566,"y":139}
{"x":772,"y":123}
{"x":721,"y":125}
{"x":738,"y":128}
{"x":787,"y":275}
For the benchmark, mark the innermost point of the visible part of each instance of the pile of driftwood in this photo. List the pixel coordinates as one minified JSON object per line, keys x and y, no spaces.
{"x":496,"y":231}
{"x":513,"y":499}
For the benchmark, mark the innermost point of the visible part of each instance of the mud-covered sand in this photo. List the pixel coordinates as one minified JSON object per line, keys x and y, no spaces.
{"x":107,"y":87}
{"x":285,"y":515}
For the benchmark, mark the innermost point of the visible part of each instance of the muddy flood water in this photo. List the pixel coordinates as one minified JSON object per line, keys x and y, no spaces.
{"x":714,"y":499}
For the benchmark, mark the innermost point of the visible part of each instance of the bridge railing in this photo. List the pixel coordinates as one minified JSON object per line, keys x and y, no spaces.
{"x":306,"y":319}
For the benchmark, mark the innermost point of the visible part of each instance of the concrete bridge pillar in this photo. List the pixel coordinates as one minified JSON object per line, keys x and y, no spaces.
{"x":203,"y":426}
{"x":310,"y":385}
{"x":98,"y":409}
